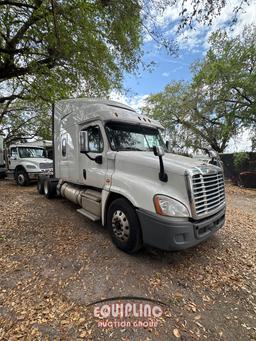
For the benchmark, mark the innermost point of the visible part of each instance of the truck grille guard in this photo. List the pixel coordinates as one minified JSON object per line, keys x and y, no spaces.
{"x":45,"y":165}
{"x":205,"y":190}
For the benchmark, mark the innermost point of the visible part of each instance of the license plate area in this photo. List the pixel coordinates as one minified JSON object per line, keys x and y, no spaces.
{"x":202,"y":230}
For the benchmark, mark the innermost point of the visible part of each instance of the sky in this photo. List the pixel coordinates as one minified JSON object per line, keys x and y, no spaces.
{"x":193,"y":45}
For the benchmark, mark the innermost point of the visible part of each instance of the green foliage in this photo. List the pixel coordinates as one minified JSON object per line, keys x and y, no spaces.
{"x":191,"y":117}
{"x":26,"y":122}
{"x":241,"y":161}
{"x":220,"y":99}
{"x":230,"y":68}
{"x":51,"y":48}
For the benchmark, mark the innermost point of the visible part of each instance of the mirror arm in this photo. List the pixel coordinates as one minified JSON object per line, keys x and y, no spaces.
{"x":162,"y":175}
{"x":89,"y":157}
{"x":97,"y":159}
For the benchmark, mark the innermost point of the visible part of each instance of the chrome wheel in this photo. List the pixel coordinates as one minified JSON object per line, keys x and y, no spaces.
{"x":121,"y":226}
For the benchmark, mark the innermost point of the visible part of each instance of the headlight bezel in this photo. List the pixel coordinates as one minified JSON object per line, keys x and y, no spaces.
{"x":31,"y":166}
{"x":177,"y":210}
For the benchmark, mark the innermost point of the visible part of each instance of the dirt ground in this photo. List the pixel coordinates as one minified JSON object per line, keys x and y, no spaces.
{"x":54,"y":262}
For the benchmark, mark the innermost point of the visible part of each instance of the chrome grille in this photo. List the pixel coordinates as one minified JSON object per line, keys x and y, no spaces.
{"x":208,"y":192}
{"x":45,"y":165}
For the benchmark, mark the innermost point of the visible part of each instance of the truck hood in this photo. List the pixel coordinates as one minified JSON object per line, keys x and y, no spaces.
{"x":36,"y":160}
{"x":39,"y":159}
{"x":136,"y":177}
{"x":173,"y":163}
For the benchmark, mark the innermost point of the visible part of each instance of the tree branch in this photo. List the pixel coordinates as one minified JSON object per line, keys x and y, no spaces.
{"x":16,"y":4}
{"x":243,"y":104}
{"x":10,"y":138}
{"x":8,"y":73}
{"x":242,"y":95}
{"x":13,"y":131}
{"x":10,"y":98}
{"x":31,"y":20}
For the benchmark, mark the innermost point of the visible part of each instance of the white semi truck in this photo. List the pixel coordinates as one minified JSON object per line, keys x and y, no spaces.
{"x":113,"y":163}
{"x":26,"y":161}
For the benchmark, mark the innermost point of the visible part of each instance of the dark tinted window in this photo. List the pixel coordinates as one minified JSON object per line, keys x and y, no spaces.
{"x":95,"y":139}
{"x":133,"y":137}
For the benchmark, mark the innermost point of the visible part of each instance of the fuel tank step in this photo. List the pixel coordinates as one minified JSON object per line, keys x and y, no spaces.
{"x":87,"y":214}
{"x":91,"y":202}
{"x":92,"y":195}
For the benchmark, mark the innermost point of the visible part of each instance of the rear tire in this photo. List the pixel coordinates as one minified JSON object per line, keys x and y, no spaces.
{"x":124,"y":226}
{"x":21,"y":177}
{"x":50,"y":187}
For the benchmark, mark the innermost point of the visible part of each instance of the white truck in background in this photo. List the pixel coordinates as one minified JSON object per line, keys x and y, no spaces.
{"x":113,"y":163}
{"x":26,"y":161}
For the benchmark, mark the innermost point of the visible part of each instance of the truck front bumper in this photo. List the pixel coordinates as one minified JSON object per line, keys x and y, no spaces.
{"x":171,"y":234}
{"x":35,"y":175}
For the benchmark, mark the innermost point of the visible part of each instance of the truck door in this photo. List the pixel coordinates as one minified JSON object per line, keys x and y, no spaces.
{"x":13,"y":158}
{"x":93,"y":173}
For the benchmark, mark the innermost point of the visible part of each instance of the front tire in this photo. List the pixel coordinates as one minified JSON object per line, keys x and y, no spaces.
{"x":124,"y":226}
{"x":21,"y":177}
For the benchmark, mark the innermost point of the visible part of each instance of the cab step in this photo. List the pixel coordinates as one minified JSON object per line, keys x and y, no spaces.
{"x":88,"y":214}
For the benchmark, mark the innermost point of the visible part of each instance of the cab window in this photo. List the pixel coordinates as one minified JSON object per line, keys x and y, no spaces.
{"x":14,"y":153}
{"x":95,"y":139}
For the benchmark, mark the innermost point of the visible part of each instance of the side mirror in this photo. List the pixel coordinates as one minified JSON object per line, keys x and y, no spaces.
{"x":98,"y":159}
{"x":84,"y":145}
{"x":158,"y":151}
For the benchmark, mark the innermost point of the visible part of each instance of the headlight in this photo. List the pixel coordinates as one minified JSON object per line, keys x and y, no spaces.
{"x":30,"y":166}
{"x":169,"y":207}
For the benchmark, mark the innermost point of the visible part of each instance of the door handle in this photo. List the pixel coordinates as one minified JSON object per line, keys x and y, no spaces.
{"x":84,"y":174}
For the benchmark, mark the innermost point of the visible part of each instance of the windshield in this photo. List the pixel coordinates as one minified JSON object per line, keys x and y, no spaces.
{"x":26,"y":152}
{"x":123,"y":136}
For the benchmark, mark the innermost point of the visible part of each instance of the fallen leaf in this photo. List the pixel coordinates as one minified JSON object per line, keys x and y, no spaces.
{"x":176,"y":332}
